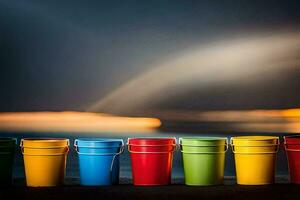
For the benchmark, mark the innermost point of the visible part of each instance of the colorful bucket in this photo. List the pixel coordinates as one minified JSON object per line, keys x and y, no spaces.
{"x":7,"y":154}
{"x":203,"y":160}
{"x":44,"y":161}
{"x":99,"y":160}
{"x":255,"y":158}
{"x":292,"y":148}
{"x":151,"y":160}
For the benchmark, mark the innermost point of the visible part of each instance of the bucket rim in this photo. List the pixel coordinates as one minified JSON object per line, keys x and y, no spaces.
{"x":96,"y":142}
{"x":292,"y":142}
{"x":297,"y":137}
{"x":152,"y":141}
{"x":8,"y":139}
{"x":43,"y":141}
{"x":99,"y":140}
{"x":255,"y":138}
{"x":8,"y":142}
{"x":292,"y":135}
{"x":204,"y":138}
{"x":254,"y":141}
{"x":154,"y":138}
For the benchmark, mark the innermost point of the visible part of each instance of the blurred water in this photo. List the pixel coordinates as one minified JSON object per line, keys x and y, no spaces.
{"x":177,"y":172}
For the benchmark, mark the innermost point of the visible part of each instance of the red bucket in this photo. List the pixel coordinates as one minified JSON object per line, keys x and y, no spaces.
{"x":292,"y":148}
{"x":151,"y":160}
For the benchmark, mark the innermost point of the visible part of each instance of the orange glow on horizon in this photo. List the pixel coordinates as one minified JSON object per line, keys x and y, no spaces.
{"x":257,"y":120}
{"x":231,"y":115}
{"x":74,"y":122}
{"x":291,"y":112}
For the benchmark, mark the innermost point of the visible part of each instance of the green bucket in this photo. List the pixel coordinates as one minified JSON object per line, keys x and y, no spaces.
{"x":7,"y":154}
{"x":203,"y":160}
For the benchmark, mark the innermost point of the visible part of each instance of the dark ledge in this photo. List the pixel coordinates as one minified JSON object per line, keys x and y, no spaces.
{"x":73,"y":191}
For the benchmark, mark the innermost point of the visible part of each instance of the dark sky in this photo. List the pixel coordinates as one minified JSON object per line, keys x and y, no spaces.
{"x":66,"y":55}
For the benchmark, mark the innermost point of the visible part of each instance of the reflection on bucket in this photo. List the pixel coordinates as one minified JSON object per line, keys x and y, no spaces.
{"x":99,"y":160}
{"x":7,"y":153}
{"x":203,"y":160}
{"x":151,"y":160}
{"x":255,"y":158}
{"x":44,"y":161}
{"x":292,"y":148}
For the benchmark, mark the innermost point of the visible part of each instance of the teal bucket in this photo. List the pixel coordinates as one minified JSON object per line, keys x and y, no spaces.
{"x":7,"y":154}
{"x":99,"y":160}
{"x":203,"y":160}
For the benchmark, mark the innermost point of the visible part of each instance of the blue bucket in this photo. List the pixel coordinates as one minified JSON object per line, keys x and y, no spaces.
{"x":99,"y":160}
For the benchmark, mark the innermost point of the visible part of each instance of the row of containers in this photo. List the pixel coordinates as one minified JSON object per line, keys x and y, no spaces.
{"x":151,"y":159}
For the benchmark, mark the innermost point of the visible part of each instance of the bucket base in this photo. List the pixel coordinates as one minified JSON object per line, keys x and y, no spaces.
{"x":6,"y":184}
{"x":255,"y":183}
{"x":151,"y":184}
{"x":91,"y":184}
{"x":204,"y":185}
{"x":37,"y":186}
{"x":295,"y":182}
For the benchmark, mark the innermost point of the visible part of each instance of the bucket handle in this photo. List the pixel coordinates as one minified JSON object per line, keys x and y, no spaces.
{"x":180,"y":139}
{"x":101,"y":154}
{"x":151,"y":152}
{"x":287,"y":149}
{"x":259,"y":152}
{"x":53,"y":154}
{"x":211,"y":152}
{"x":180,"y":147}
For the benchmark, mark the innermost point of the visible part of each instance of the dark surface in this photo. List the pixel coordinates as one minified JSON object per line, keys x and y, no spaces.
{"x":176,"y":191}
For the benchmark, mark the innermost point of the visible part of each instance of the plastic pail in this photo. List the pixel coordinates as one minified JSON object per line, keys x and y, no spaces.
{"x":255,"y":158}
{"x":292,"y":148}
{"x":44,"y":160}
{"x":7,"y":153}
{"x":151,"y":160}
{"x":203,"y":160}
{"x":99,"y":160}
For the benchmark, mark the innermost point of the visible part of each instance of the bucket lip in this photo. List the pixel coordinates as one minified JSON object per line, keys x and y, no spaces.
{"x":8,"y":142}
{"x":95,"y":142}
{"x":292,"y":136}
{"x":292,"y":139}
{"x":204,"y":138}
{"x":255,"y":138}
{"x":99,"y":140}
{"x":151,"y":140}
{"x":203,"y":141}
{"x":254,"y":141}
{"x":44,"y":139}
{"x":33,"y":142}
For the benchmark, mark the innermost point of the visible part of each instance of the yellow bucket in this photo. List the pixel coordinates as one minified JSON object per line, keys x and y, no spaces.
{"x":255,"y":158}
{"x":44,"y":161}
